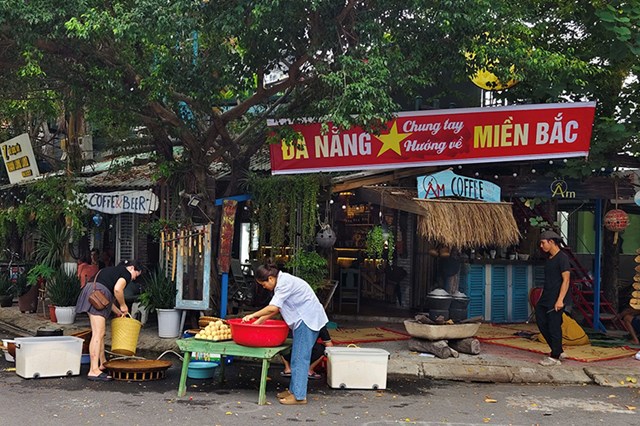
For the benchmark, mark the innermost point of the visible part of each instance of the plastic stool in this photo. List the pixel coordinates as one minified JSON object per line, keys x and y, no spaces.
{"x":138,"y":308}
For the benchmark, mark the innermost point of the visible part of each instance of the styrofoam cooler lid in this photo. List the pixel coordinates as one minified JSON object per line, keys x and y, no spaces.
{"x":46,"y":339}
{"x":333,"y":350}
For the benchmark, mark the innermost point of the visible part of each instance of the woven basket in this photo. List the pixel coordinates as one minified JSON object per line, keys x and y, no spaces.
{"x":137,"y":370}
{"x":205,"y":320}
{"x":124,"y":335}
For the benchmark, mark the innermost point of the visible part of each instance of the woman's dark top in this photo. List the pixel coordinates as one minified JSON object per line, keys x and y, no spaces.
{"x":110,"y":276}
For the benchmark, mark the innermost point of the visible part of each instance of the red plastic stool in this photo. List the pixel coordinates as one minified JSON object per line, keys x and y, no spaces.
{"x":534,"y":296}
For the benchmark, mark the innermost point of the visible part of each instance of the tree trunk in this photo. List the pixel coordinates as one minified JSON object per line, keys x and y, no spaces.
{"x":466,"y":346}
{"x":610,"y":267}
{"x":439,"y":348}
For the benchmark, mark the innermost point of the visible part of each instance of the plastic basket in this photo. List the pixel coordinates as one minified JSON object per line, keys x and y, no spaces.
{"x":124,"y":335}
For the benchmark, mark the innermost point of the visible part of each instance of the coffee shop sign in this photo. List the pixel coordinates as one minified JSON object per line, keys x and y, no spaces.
{"x":448,"y":184}
{"x":141,"y":202}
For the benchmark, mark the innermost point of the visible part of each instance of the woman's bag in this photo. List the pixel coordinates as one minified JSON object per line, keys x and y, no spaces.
{"x":97,"y":298}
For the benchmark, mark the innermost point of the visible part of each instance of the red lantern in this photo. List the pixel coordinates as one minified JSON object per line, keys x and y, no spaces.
{"x":616,"y":220}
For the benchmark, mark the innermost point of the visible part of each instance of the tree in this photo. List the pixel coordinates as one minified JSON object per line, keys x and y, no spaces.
{"x":206,"y":74}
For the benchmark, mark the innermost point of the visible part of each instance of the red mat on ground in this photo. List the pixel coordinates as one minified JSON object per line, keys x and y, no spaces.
{"x":343,"y":336}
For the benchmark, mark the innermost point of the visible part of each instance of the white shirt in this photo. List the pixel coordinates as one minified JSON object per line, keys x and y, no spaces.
{"x":297,"y":302}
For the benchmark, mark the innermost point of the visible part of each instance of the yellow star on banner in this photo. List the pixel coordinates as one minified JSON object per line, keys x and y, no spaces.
{"x":391,"y":141}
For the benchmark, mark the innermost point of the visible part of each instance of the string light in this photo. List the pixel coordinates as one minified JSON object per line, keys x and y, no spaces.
{"x":550,"y":161}
{"x":515,"y":175}
{"x":533,"y":170}
{"x":564,"y":161}
{"x":495,"y":176}
{"x":477,"y":174}
{"x":460,"y":166}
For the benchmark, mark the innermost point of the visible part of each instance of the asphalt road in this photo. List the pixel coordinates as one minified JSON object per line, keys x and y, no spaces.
{"x":76,"y":401}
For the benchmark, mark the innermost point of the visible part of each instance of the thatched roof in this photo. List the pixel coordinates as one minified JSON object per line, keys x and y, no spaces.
{"x":465,"y":224}
{"x":452,"y":223}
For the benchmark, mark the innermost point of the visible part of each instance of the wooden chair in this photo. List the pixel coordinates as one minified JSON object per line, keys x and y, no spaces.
{"x":350,"y":288}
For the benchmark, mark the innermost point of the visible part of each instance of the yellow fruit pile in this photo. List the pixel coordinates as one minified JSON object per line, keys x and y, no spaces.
{"x":216,"y":331}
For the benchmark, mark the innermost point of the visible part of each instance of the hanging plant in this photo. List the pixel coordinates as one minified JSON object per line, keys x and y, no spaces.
{"x":276,"y":202}
{"x":378,"y":241}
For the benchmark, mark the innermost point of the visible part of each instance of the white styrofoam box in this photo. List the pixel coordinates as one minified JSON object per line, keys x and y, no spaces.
{"x":357,"y":368}
{"x":48,"y":356}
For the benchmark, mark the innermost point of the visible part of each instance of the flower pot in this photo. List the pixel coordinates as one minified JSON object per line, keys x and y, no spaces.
{"x":66,"y":314}
{"x":6,"y":300}
{"x":168,"y":323}
{"x":52,"y":313}
{"x":28,"y":302}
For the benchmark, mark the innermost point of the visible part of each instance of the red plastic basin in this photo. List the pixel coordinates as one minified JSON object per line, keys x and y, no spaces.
{"x":270,"y":333}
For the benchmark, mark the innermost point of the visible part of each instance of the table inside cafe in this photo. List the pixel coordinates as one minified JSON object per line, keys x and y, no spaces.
{"x":225,"y":349}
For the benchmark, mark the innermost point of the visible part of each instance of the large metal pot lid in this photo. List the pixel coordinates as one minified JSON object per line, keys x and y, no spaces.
{"x":459,"y":295}
{"x":439,"y":293}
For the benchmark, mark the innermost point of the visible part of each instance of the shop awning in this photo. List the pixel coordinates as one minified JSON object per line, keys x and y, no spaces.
{"x":452,"y":223}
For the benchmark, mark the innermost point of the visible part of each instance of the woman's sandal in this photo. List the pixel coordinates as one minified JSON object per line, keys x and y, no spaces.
{"x":285,"y":393}
{"x":102,"y":377}
{"x":291,"y":400}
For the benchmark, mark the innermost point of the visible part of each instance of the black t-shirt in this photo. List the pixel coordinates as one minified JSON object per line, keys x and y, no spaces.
{"x":553,"y":269}
{"x":108,"y":277}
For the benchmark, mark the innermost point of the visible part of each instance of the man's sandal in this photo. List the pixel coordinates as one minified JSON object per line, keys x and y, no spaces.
{"x":291,"y":400}
{"x":285,"y":393}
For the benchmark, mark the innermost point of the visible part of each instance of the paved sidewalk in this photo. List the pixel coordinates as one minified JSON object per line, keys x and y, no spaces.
{"x":496,"y":364}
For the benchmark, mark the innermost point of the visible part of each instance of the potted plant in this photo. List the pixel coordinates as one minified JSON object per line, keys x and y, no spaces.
{"x":63,"y":290}
{"x":159,"y":294}
{"x":379,"y":243}
{"x":26,"y":288}
{"x":7,"y":291}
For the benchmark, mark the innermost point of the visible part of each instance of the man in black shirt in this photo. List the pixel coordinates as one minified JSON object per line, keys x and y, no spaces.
{"x":551,"y":304}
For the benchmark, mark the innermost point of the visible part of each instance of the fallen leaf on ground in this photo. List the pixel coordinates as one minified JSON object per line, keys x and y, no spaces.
{"x":490,"y":400}
{"x":630,"y":407}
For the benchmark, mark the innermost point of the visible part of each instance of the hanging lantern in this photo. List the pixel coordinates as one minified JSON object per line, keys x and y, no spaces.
{"x":485,"y":79}
{"x":97,"y":219}
{"x":326,"y":238}
{"x":616,"y":220}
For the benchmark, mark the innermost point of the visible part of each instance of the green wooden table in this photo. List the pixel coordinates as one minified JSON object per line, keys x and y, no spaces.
{"x":229,"y":348}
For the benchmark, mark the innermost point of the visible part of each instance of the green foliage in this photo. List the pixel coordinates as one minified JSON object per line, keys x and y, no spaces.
{"x":379,"y":242}
{"x":29,"y":211}
{"x":52,"y":245}
{"x":310,"y":266}
{"x":7,"y":288}
{"x":193,"y":71}
{"x":22,"y":284}
{"x":276,"y":200}
{"x":159,"y":291}
{"x":41,"y":271}
{"x":154,"y":228}
{"x":63,"y":288}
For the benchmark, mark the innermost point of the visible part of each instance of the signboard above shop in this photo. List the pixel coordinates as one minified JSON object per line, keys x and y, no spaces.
{"x":449,"y":184}
{"x":141,"y":202}
{"x":441,"y":137}
{"x":19,"y":160}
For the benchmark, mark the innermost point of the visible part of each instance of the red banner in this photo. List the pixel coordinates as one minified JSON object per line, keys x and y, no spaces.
{"x":442,"y":137}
